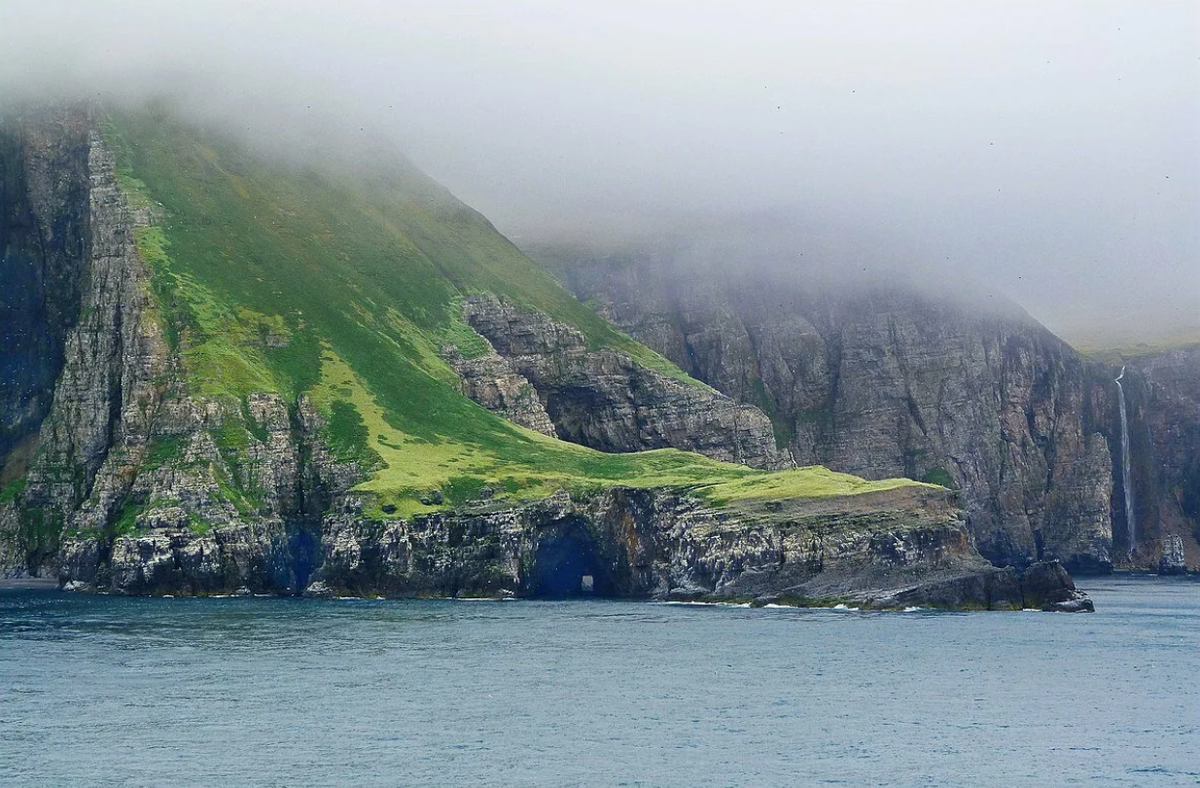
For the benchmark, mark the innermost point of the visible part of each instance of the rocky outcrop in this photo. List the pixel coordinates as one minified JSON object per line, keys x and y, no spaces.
{"x":658,"y":544}
{"x":603,"y":399}
{"x":114,"y":360}
{"x":623,"y":542}
{"x":1172,"y":560}
{"x":226,"y":499}
{"x":882,"y":381}
{"x":1047,"y":586}
{"x":491,"y":381}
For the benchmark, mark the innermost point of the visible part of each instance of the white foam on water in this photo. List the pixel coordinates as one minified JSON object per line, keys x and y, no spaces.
{"x":705,"y":604}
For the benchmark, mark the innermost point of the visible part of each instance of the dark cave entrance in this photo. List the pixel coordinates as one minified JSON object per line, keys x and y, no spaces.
{"x":305,"y":549}
{"x":567,"y":565}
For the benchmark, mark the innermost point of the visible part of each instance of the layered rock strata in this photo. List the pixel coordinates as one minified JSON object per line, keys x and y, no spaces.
{"x":603,"y":399}
{"x":902,"y":550}
{"x":44,"y":242}
{"x":881,"y":381}
{"x":1164,"y":425}
{"x":492,"y":381}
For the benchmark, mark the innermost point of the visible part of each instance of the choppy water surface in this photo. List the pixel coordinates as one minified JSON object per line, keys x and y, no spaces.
{"x":101,"y":691}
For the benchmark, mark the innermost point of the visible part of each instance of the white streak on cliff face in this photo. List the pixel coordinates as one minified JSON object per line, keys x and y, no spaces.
{"x":1131,"y":523}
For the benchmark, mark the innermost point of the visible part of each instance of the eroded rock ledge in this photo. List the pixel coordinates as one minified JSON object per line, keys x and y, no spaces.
{"x":603,"y":399}
{"x":903,"y":548}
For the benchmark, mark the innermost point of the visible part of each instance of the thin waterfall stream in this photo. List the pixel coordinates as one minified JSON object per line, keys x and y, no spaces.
{"x":1131,"y":524}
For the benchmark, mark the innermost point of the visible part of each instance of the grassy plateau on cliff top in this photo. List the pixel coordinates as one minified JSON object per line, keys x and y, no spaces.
{"x":345,"y":286}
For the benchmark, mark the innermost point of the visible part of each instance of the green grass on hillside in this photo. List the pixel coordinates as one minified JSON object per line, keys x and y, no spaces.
{"x":1120,"y":353}
{"x":283,"y":279}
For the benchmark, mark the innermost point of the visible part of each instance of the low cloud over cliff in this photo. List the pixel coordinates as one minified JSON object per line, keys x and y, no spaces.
{"x":1045,"y":149}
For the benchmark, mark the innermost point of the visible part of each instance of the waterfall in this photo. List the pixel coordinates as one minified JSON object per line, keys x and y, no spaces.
{"x":1131,"y":524}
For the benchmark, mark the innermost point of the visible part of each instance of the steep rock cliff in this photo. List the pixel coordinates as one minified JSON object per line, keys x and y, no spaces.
{"x":1163,"y":400}
{"x":603,"y":399}
{"x":898,"y":551}
{"x":882,"y":381}
{"x":125,"y":446}
{"x":149,"y":477}
{"x":44,"y":242}
{"x":493,"y":382}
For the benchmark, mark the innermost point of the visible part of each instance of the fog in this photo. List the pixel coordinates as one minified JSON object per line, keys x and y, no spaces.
{"x":1047,"y":150}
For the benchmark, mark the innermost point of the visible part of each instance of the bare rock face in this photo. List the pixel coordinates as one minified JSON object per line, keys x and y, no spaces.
{"x":44,"y":239}
{"x":492,"y":381}
{"x":1077,"y":522}
{"x":1172,"y":561}
{"x":1163,"y":393}
{"x":603,"y":399}
{"x":881,"y":381}
{"x":896,"y":549}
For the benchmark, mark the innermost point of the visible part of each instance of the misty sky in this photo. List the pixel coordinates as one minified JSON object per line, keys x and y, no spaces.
{"x":1048,"y":149}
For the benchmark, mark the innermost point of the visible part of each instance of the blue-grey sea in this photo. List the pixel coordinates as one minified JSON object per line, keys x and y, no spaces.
{"x":108,"y":691}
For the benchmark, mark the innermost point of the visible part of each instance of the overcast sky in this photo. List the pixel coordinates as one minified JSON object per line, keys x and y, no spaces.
{"x":1049,"y":149}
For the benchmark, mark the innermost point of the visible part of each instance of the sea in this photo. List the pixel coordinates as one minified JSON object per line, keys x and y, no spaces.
{"x":291,"y":693}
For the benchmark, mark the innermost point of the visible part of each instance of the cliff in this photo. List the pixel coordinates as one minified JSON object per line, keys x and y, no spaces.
{"x":884,"y":380}
{"x":43,"y":240}
{"x":603,"y":399}
{"x":1163,"y":401}
{"x":257,"y":383}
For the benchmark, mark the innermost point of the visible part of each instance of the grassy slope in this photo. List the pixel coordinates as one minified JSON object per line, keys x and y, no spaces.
{"x":1119,"y":353}
{"x":283,"y":279}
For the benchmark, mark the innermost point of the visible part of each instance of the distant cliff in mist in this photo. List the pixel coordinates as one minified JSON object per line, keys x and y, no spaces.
{"x":882,"y":378}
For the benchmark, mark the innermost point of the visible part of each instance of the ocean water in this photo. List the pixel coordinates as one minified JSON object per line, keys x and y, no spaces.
{"x":106,"y":691}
